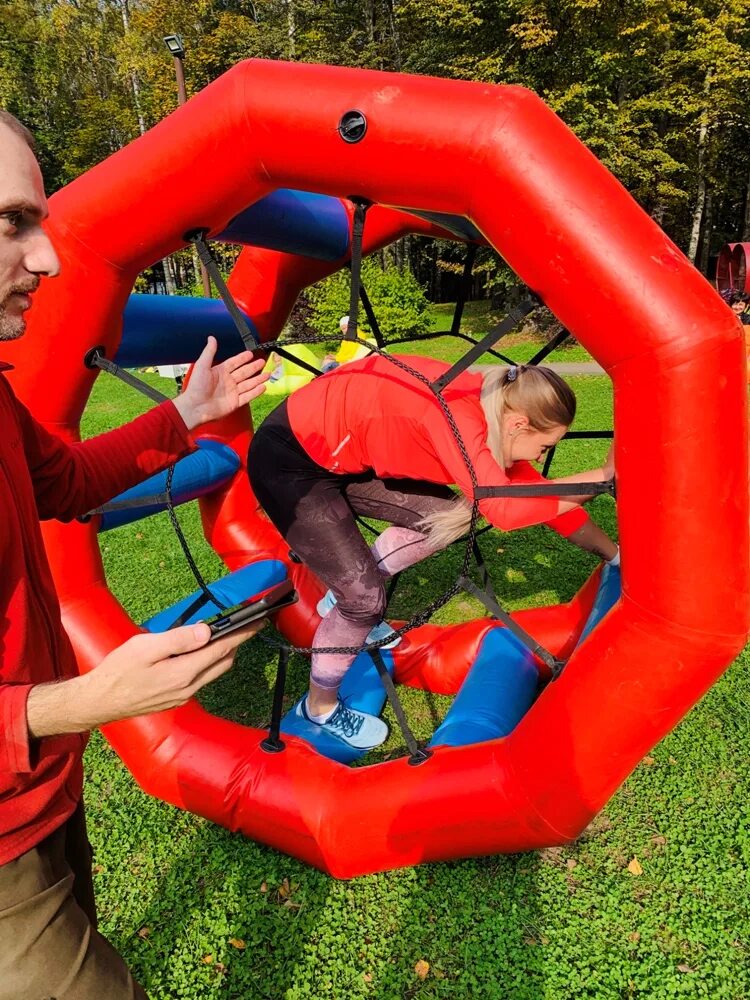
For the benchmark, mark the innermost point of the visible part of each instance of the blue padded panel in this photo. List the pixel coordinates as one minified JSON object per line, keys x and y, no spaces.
{"x":361,"y":689}
{"x":610,"y":589}
{"x":494,"y":697}
{"x":232,"y":589}
{"x":172,"y":330}
{"x":198,"y":473}
{"x":313,"y":225}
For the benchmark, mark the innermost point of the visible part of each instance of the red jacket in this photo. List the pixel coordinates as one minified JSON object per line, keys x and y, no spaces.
{"x":369,"y":414}
{"x":43,"y":477}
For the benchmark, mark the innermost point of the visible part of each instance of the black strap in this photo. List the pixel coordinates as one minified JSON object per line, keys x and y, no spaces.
{"x":465,"y":287}
{"x":589,"y":434}
{"x":414,"y":337}
{"x":521,"y":634}
{"x":240,"y":322}
{"x":371,"y":317}
{"x":580,"y":435}
{"x":358,"y":229}
{"x":548,"y":461}
{"x":484,"y":574}
{"x":300,"y":362}
{"x":273,"y":742}
{"x":541,"y":354}
{"x":416,"y":754}
{"x":190,"y":610}
{"x":545,"y":490}
{"x":96,"y":359}
{"x":511,"y":321}
{"x":198,"y":239}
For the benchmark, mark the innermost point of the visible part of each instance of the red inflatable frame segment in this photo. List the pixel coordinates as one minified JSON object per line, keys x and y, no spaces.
{"x":675,"y":355}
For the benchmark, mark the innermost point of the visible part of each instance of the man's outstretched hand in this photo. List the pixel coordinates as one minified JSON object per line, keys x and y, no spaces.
{"x":214,"y":391}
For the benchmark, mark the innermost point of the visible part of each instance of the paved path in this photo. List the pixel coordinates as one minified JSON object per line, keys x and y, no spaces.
{"x":577,"y":368}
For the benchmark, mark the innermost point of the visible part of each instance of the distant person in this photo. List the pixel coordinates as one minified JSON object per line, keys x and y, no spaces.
{"x":352,"y":350}
{"x":276,"y":365}
{"x":739,"y":303}
{"x":329,"y":363}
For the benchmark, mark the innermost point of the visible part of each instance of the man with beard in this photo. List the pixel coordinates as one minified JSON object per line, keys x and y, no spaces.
{"x":50,"y":945}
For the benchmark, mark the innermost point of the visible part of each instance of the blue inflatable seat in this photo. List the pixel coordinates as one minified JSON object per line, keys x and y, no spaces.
{"x":502,"y":682}
{"x":195,"y":475}
{"x":231,"y":589}
{"x":497,"y":692}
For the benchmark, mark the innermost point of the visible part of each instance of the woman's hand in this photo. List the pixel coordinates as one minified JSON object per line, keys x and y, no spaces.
{"x":214,"y":391}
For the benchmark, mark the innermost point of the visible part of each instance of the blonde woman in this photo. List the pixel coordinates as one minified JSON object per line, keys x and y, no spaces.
{"x":371,"y":439}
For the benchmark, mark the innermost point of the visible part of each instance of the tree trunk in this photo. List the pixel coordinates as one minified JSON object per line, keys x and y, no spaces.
{"x":291,"y":28}
{"x":705,"y":249}
{"x":746,"y":220}
{"x":370,"y":20}
{"x":169,"y":276}
{"x":394,"y":35}
{"x":700,"y":198}
{"x":134,"y":84}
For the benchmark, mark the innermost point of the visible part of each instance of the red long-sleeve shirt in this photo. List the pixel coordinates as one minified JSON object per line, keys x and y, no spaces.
{"x":370,"y":414}
{"x":43,"y":477}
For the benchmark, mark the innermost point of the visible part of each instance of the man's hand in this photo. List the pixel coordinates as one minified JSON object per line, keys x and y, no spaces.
{"x":148,"y":673}
{"x":214,"y":391}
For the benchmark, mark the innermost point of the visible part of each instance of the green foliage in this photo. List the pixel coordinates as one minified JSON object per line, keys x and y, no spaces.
{"x":397,"y":298}
{"x":658,"y":89}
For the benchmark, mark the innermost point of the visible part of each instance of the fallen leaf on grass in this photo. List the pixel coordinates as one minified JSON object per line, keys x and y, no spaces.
{"x":207,"y":959}
{"x":286,"y":888}
{"x":264,"y":887}
{"x":422,"y":968}
{"x":144,"y":932}
{"x":570,"y":864}
{"x":658,"y":840}
{"x":635,"y":867}
{"x":649,"y":761}
{"x":367,"y":977}
{"x":684,"y":968}
{"x":634,"y":936}
{"x":238,"y":943}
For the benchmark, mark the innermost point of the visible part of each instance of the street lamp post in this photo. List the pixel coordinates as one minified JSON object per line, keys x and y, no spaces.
{"x":176,"y":48}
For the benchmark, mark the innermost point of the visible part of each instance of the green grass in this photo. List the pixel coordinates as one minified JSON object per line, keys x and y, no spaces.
{"x":175,"y":890}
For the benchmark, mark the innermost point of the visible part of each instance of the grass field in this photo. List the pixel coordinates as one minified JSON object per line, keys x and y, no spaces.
{"x":201,"y":913}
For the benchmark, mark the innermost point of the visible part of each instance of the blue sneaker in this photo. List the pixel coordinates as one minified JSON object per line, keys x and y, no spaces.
{"x":326,"y":603}
{"x":381,"y":631}
{"x":357,"y":729}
